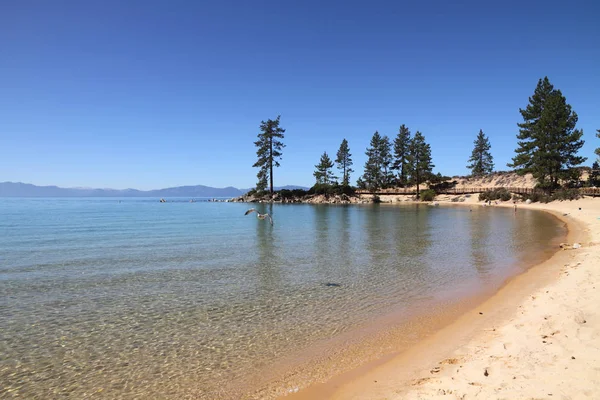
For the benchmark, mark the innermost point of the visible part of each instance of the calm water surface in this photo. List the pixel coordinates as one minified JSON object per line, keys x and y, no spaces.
{"x":133,"y":298}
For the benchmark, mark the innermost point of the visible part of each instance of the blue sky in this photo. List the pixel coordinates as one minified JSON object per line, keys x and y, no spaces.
{"x":152,"y":94}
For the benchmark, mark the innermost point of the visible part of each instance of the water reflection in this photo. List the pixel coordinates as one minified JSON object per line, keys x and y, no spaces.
{"x":268,"y":264}
{"x":480,"y":236}
{"x":322,"y":249}
{"x":343,"y":227}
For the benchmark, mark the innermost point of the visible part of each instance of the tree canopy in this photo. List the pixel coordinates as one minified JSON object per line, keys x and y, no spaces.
{"x":548,"y":141}
{"x":481,"y":161}
{"x":269,"y":152}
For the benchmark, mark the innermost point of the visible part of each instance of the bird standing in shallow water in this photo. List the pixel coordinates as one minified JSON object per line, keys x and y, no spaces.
{"x":259,"y":215}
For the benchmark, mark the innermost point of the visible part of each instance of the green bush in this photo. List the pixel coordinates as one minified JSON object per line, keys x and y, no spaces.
{"x":496,"y":194}
{"x":320,"y":188}
{"x":291,"y":194}
{"x":560,"y":195}
{"x":327,"y":189}
{"x":427,"y":195}
{"x":536,"y":197}
{"x":256,"y":193}
{"x":566,"y":194}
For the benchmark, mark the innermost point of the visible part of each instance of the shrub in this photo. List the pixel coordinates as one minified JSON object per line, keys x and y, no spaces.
{"x":560,"y":194}
{"x":566,"y":194}
{"x":536,"y":197}
{"x":291,"y":194}
{"x":326,"y":189}
{"x":343,"y":189}
{"x":427,"y":195}
{"x":319,"y":188}
{"x":496,"y":194}
{"x":444,"y":185}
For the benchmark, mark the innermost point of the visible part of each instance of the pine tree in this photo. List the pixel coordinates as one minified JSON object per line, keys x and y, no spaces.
{"x":269,"y":147}
{"x":323,"y":172}
{"x":385,"y":152}
{"x":379,"y":158}
{"x":481,"y":159}
{"x":548,"y":141}
{"x":372,"y":174}
{"x":344,"y":162}
{"x":400,"y":164}
{"x":419,"y":160}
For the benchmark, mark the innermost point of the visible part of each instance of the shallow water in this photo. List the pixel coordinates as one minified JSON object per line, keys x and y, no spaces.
{"x":133,"y":298}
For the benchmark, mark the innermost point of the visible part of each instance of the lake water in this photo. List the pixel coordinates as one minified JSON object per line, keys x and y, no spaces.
{"x":132,"y":298}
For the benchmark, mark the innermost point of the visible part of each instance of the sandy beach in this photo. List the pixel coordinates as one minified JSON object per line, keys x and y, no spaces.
{"x":537,"y":338}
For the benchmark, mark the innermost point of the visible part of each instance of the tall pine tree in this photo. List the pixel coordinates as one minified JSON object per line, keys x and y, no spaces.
{"x":385,"y":152}
{"x":401,"y":145}
{"x":379,"y":159}
{"x":419,"y":160}
{"x":372,"y":177}
{"x":481,"y":161}
{"x":548,"y":141}
{"x":344,"y":162}
{"x":269,"y":147}
{"x":323,"y":173}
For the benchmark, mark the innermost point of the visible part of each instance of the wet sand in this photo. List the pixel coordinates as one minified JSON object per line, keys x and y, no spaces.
{"x":538,"y":337}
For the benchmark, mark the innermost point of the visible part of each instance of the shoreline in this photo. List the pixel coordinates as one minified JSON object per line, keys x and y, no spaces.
{"x":433,"y":366}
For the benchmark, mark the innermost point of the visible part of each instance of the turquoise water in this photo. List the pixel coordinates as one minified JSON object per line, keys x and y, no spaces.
{"x":132,"y":298}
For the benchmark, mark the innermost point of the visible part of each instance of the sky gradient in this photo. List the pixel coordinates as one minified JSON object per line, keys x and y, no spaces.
{"x":153,"y":94}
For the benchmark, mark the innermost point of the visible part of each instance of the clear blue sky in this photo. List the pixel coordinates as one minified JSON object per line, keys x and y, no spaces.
{"x":152,"y":94}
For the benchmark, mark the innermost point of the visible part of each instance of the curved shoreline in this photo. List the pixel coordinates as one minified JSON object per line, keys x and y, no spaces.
{"x":416,"y":373}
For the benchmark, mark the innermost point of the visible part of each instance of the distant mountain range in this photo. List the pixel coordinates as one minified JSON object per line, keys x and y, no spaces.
{"x":18,"y":189}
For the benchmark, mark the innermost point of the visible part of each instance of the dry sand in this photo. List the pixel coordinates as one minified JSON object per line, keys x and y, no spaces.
{"x":537,"y":338}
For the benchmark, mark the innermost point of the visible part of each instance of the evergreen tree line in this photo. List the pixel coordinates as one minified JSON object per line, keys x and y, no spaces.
{"x":547,"y":147}
{"x":405,"y":162}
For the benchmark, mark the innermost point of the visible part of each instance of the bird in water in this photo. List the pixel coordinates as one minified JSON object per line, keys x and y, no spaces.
{"x":259,"y":215}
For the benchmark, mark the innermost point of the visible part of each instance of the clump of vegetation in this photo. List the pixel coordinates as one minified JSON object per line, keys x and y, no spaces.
{"x":291,"y":194}
{"x":536,"y":197}
{"x":376,"y":199}
{"x":497,"y":194}
{"x":256,"y":193}
{"x":427,"y":195}
{"x":331,"y":189}
{"x":566,"y":194}
{"x":560,"y":195}
{"x":440,"y":182}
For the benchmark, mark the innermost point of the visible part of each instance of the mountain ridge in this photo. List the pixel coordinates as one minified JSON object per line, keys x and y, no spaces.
{"x":20,"y":189}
